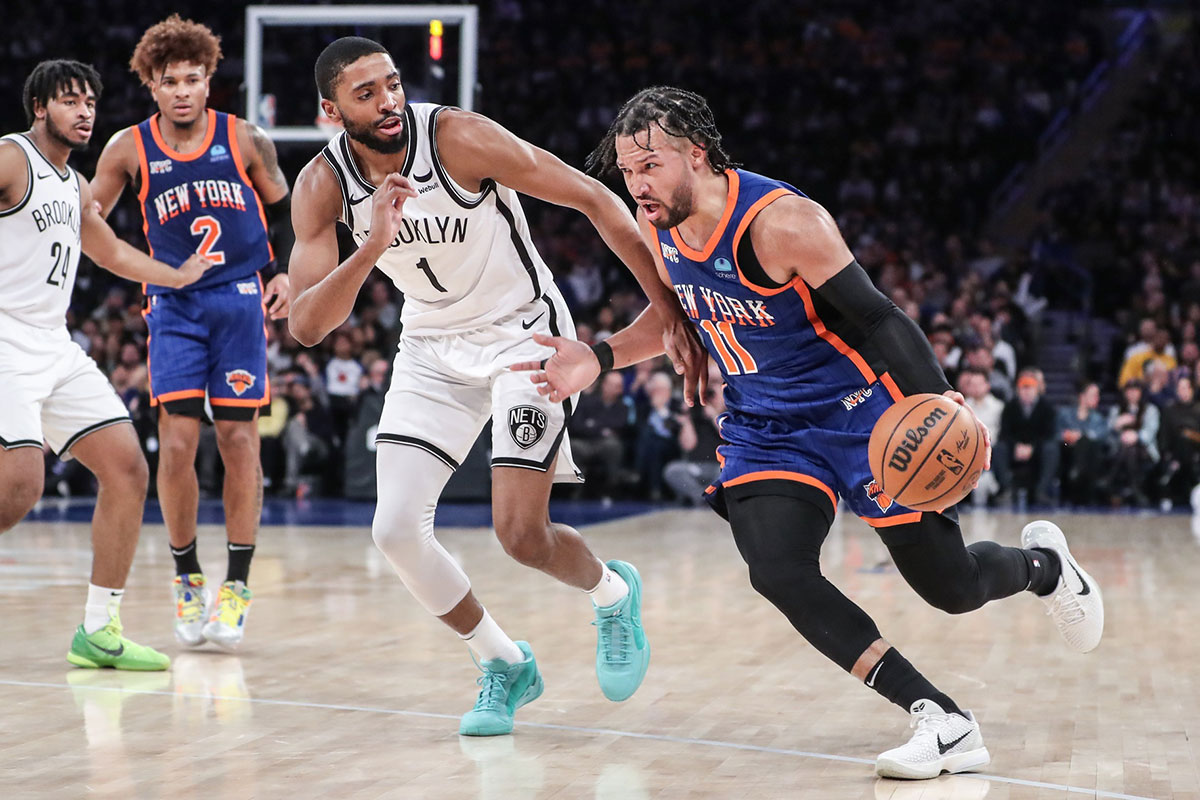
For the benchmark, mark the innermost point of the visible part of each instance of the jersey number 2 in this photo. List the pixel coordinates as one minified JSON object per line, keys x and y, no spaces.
{"x":734,"y":357}
{"x":62,"y":260}
{"x":210,"y":229}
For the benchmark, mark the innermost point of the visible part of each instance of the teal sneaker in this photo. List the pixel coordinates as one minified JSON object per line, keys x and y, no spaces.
{"x":503,"y":688}
{"x":622,"y":650}
{"x":108,"y":648}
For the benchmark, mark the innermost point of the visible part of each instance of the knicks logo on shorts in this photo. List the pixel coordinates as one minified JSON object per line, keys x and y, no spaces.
{"x":526,"y":425}
{"x":239,"y":380}
{"x":875,"y":492}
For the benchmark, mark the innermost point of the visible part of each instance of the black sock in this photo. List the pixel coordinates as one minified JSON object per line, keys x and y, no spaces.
{"x":239,"y":562}
{"x":1044,"y":570}
{"x":898,"y":681}
{"x":186,"y":562}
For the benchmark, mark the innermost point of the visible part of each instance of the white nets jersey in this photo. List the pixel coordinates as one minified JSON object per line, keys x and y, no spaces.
{"x":40,"y":235}
{"x":462,"y":259}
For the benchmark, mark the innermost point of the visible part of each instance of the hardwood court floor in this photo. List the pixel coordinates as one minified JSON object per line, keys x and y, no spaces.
{"x":344,"y":687}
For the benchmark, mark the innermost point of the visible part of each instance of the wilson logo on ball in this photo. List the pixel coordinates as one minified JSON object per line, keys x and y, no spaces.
{"x":902,"y":455}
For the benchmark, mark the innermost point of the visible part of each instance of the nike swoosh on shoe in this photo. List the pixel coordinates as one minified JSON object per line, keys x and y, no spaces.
{"x":944,"y":748}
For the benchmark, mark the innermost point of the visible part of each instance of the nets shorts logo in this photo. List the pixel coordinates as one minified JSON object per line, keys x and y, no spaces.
{"x":526,"y":425}
{"x":239,"y":380}
{"x":875,"y":492}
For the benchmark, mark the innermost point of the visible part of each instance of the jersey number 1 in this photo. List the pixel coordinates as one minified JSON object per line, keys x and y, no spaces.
{"x":423,"y":265}
{"x":210,"y":229}
{"x":62,"y":260}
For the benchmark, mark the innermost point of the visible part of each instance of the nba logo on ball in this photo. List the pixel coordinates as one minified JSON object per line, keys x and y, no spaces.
{"x":527,"y":425}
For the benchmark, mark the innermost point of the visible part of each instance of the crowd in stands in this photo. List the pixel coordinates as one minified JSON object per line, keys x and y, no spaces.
{"x":901,"y":120}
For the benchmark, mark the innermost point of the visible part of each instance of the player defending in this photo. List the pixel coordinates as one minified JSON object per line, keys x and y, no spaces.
{"x":211,"y":181}
{"x":51,"y":390}
{"x":430,"y":194}
{"x":797,"y":326}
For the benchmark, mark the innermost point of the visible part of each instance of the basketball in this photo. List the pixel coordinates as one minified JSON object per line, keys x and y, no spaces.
{"x":926,"y":452}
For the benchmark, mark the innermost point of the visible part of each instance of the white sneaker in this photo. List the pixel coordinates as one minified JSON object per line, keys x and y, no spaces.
{"x":193,"y":604}
{"x":1076,"y":604}
{"x":943,"y":743}
{"x":227,"y":622}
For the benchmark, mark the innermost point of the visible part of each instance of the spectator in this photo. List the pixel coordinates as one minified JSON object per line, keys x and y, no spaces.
{"x":1026,"y":455}
{"x":657,"y":433}
{"x":699,"y":437}
{"x":980,"y":357}
{"x":973,"y":383}
{"x":1179,"y":439}
{"x":601,"y":428}
{"x":1134,"y":422}
{"x":308,"y":438}
{"x":1160,"y":350}
{"x":1086,"y":444}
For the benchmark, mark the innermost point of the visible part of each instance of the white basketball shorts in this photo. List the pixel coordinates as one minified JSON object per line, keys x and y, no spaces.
{"x":445,"y":388}
{"x":51,"y":390}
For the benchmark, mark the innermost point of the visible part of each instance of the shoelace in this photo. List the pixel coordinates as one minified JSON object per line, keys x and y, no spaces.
{"x":1065,"y":607}
{"x":492,"y":691}
{"x":191,"y":610}
{"x":616,"y":636}
{"x":230,"y":608}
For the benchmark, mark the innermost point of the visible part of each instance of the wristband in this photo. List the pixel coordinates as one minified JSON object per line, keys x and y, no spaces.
{"x":604,"y":355}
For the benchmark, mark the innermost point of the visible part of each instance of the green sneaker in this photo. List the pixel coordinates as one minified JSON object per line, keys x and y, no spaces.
{"x":622,"y":650}
{"x":108,"y":648}
{"x":503,"y":689}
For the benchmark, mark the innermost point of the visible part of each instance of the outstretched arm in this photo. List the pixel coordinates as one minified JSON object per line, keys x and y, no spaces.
{"x":101,"y":245}
{"x":479,"y":148}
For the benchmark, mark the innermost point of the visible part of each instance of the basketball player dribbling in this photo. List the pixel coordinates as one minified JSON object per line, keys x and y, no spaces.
{"x":812,"y":354}
{"x":211,"y":181}
{"x":430,"y":195}
{"x":49,"y":388}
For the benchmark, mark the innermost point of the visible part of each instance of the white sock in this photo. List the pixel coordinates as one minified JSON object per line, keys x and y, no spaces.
{"x":488,"y":642}
{"x":611,"y":589}
{"x":102,"y":605}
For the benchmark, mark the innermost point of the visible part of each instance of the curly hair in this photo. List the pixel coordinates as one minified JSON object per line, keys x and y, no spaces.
{"x":172,"y":40}
{"x":676,"y":112}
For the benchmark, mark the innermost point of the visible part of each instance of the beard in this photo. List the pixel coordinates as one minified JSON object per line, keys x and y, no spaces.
{"x":676,"y":211}
{"x":57,"y":134}
{"x":366,"y":135}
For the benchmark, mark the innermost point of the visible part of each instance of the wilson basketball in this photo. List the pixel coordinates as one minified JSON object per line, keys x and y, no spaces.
{"x":926,"y":452}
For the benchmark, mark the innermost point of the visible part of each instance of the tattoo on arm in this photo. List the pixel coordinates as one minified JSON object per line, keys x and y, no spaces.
{"x":267,"y":155}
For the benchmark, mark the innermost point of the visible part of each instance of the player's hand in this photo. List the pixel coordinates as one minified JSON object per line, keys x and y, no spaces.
{"x":687,"y":355}
{"x":571,"y":368}
{"x":387,"y":206}
{"x":192,"y":270}
{"x":987,"y":435}
{"x":278,"y":296}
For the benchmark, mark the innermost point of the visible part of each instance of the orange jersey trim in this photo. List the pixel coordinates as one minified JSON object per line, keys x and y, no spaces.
{"x":711,"y":244}
{"x":237,"y":401}
{"x":144,"y":189}
{"x":182,"y":394}
{"x":236,"y":151}
{"x":888,"y":522}
{"x":199,"y":151}
{"x":831,"y":337}
{"x":751,"y":213}
{"x":890,"y":385}
{"x":783,"y":475}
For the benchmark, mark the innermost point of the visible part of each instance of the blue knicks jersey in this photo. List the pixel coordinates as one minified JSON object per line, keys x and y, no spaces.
{"x":202,"y":202}
{"x":779,"y":347}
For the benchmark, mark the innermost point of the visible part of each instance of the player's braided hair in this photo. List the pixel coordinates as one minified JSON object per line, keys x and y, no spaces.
{"x":49,"y":78}
{"x":173,"y":40}
{"x":677,"y":112}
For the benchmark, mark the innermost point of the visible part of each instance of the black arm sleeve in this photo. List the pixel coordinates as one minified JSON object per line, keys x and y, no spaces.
{"x":279,"y":229}
{"x":898,"y":339}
